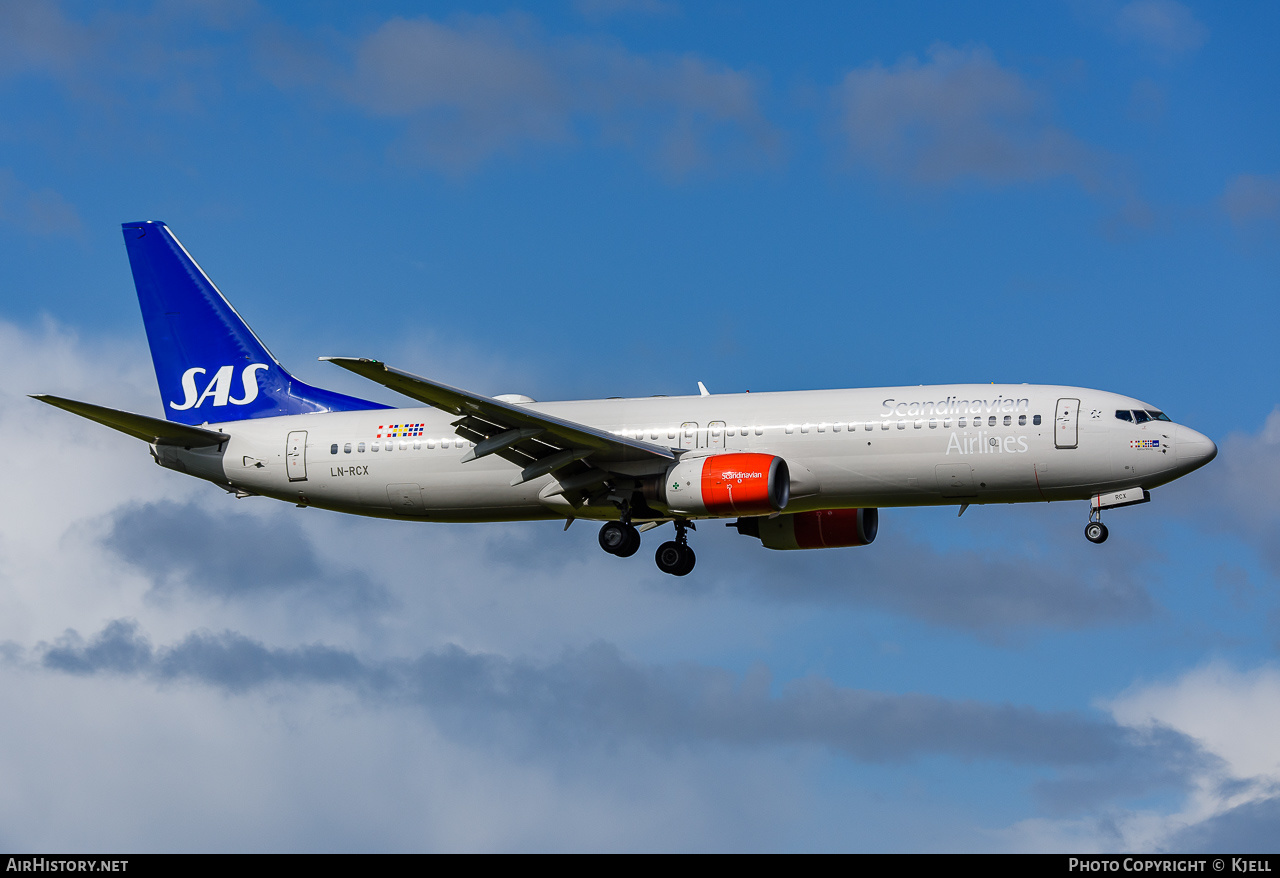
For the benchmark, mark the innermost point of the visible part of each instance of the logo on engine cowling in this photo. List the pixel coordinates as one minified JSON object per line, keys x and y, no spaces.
{"x":219,"y":387}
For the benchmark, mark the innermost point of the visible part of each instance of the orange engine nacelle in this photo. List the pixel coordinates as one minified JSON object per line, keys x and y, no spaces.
{"x":727,"y":484}
{"x":823,"y":529}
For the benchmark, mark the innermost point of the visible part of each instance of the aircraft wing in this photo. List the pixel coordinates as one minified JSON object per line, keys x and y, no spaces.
{"x":536,"y":442}
{"x":147,"y":429}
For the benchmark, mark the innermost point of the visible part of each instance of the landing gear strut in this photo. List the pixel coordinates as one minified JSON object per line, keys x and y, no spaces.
{"x":1095,"y":531}
{"x":675,"y":556}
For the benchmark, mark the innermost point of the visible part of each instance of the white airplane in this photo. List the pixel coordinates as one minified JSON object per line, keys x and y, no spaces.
{"x":796,"y":470}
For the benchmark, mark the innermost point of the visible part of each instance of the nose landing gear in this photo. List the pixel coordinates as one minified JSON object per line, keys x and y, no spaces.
{"x":1095,"y":531}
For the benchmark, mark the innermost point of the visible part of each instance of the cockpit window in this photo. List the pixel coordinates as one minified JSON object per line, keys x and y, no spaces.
{"x":1140,"y":416}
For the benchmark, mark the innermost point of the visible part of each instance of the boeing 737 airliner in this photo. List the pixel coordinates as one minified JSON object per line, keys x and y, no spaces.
{"x":800,"y":470}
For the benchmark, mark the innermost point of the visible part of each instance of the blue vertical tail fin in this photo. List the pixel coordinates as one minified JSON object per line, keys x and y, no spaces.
{"x":209,"y":364}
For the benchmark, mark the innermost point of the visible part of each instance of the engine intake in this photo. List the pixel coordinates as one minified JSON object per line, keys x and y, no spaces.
{"x":822,"y":529}
{"x":727,"y":484}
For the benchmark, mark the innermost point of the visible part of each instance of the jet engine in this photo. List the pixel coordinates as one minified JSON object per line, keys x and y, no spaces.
{"x":726,"y":484}
{"x":822,"y":529}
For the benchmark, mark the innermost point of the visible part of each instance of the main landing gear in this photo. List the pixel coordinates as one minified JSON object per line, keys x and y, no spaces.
{"x":675,"y":556}
{"x":622,"y":538}
{"x":1095,"y":531}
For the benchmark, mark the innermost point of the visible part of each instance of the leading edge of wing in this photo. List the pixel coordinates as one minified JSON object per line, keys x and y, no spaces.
{"x":153,"y":430}
{"x":464,"y":403}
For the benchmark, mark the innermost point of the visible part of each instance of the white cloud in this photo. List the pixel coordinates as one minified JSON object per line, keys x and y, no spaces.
{"x":1232,"y":793}
{"x":1232,"y":714}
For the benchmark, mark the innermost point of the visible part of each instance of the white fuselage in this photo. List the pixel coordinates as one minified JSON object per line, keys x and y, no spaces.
{"x":873,"y":447}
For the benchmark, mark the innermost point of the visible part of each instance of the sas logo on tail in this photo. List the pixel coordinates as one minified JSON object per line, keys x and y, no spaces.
{"x":219,"y":387}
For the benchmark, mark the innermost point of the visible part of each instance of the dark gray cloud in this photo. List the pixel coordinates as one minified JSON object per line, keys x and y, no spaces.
{"x":959,"y":115}
{"x":475,"y":87}
{"x":1061,"y":582}
{"x":1239,"y":493}
{"x":1159,"y":759}
{"x":42,"y":211}
{"x":1246,"y":829}
{"x":231,"y":555}
{"x":1252,"y":198}
{"x":985,"y":592}
{"x":596,"y":697}
{"x":1165,"y":25}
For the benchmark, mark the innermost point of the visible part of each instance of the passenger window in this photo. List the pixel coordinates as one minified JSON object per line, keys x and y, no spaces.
{"x":373,"y":446}
{"x":991,"y":421}
{"x":963,"y":423}
{"x":884,"y":425}
{"x":333,"y":449}
{"x":902,"y":423}
{"x":759,"y":431}
{"x":360,"y":448}
{"x":1008,"y":419}
{"x":417,"y":444}
{"x":933,"y":423}
{"x":919,"y":423}
{"x":946,"y":423}
{"x":1022,"y":420}
{"x":835,"y":428}
{"x":404,"y":445}
{"x":346,"y":449}
{"x":791,"y":428}
{"x":822,"y":428}
{"x":1035,"y":420}
{"x":804,"y":428}
{"x":671,"y":434}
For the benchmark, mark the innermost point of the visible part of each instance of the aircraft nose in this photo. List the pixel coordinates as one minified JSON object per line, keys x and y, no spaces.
{"x":1193,"y":449}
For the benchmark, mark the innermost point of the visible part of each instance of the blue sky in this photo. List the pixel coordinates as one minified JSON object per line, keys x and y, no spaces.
{"x":616,"y":197}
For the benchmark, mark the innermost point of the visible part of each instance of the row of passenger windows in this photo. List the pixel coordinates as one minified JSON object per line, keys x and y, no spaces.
{"x":403,"y":444}
{"x":918,"y":423}
{"x":1138,"y":416}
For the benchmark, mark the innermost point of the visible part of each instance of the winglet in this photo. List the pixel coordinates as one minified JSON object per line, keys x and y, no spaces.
{"x":702,"y":389}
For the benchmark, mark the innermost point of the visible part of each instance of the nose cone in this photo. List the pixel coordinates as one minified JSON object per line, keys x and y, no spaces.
{"x":1193,"y":449}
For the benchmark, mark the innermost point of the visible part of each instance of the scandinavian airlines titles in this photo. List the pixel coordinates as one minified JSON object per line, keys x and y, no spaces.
{"x":954,"y":406}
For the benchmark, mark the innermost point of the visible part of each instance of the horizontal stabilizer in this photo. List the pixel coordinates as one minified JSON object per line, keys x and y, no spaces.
{"x":153,"y":430}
